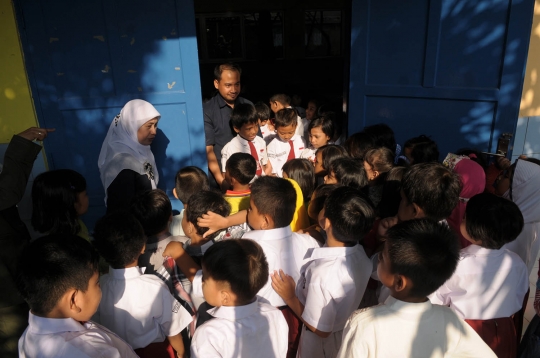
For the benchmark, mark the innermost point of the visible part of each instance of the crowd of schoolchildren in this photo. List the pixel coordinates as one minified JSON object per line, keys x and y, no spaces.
{"x":315,"y":246}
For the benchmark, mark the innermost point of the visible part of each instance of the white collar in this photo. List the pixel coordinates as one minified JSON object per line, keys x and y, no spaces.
{"x":334,"y":252}
{"x":407,"y":309}
{"x":43,"y":325}
{"x":126,"y":273}
{"x":234,"y":313}
{"x":476,"y":250}
{"x":268,"y":235}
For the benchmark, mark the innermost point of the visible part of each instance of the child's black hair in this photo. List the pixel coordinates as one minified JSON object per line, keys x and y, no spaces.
{"x":243,"y":113}
{"x":350,"y":214}
{"x":202,"y":202}
{"x":286,"y":117}
{"x":493,"y":220}
{"x":391,"y":193}
{"x":383,"y":135}
{"x":263,"y":112}
{"x":242,"y":167}
{"x":227,"y":66}
{"x":54,"y":195}
{"x":52,"y":265}
{"x":380,"y":159}
{"x":316,"y":204}
{"x":349,"y":172}
{"x":424,"y":149}
{"x":358,"y":144}
{"x":276,"y":198}
{"x":119,"y":238}
{"x":302,"y":172}
{"x":281,"y":98}
{"x":239,"y":262}
{"x":188,"y":181}
{"x":425,"y":252}
{"x":326,"y":125}
{"x":331,"y":152}
{"x":433,"y":187}
{"x":153,"y":209}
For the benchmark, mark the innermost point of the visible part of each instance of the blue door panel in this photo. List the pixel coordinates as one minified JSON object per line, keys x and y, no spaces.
{"x":446,"y":68}
{"x":87,"y":58}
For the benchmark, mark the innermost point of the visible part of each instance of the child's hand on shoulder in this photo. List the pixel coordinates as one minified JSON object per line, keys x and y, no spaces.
{"x":174,"y":249}
{"x":284,"y":285}
{"x":213,"y":222}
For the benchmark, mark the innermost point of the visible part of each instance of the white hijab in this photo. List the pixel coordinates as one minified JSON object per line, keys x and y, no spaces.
{"x":121,"y":148}
{"x":526,"y":195}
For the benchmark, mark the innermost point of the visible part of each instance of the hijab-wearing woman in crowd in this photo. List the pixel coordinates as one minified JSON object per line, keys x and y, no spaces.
{"x":473,"y":181}
{"x":126,"y":163}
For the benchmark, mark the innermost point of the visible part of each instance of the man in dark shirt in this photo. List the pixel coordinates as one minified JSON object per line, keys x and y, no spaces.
{"x":217,"y":115}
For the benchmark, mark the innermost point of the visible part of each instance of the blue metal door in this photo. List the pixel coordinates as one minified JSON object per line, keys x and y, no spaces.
{"x":87,"y":58}
{"x":452,"y":69}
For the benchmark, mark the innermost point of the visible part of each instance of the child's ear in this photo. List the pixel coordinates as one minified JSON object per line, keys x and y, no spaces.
{"x":327,"y":224}
{"x":73,"y":297}
{"x":418,"y":211}
{"x":236,"y":130}
{"x":174,"y":193}
{"x":401,"y":282}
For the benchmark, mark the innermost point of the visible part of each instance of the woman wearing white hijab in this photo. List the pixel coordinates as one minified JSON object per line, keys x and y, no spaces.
{"x":126,"y":162}
{"x":521,"y":184}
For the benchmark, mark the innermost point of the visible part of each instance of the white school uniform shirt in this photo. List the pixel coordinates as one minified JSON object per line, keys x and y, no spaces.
{"x":284,"y":250}
{"x":331,"y":286}
{"x":278,"y":152}
{"x":254,"y":330}
{"x":302,"y":127}
{"x":240,"y":145}
{"x":67,"y":338}
{"x":309,"y":153}
{"x":139,"y":308}
{"x":176,"y":224}
{"x":486,"y":284}
{"x":402,"y":329}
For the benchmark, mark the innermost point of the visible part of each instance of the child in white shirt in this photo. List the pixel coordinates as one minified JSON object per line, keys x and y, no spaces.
{"x":280,"y":101}
{"x":335,"y":276}
{"x":419,"y":255}
{"x":233,"y":271}
{"x":245,"y":123}
{"x":490,"y":282}
{"x":137,"y":307}
{"x":320,"y":133}
{"x":59,"y":280}
{"x":287,"y":145}
{"x":265,"y":124}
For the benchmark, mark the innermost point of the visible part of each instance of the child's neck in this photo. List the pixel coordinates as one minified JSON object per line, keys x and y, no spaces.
{"x":407,"y":298}
{"x":159,"y":236}
{"x":198,"y":240}
{"x":133,"y":264}
{"x":240,"y":187}
{"x":332,"y":242}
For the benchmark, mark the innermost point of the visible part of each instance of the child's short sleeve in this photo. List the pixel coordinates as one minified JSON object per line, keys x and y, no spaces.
{"x":320,"y":308}
{"x":175,"y":317}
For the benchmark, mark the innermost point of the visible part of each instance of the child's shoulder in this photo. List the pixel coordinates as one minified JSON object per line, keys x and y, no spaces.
{"x":305,"y":239}
{"x":367,"y":313}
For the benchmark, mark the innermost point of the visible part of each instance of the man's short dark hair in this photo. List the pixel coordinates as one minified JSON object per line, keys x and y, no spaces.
{"x":350,"y":214}
{"x":239,"y":262}
{"x":425,"y":252}
{"x":286,"y":117}
{"x":188,"y":181}
{"x":349,"y":172}
{"x":424,"y":149}
{"x":242,"y":167}
{"x":153,"y":209}
{"x":493,"y":220}
{"x":243,"y":113}
{"x":202,"y":202}
{"x":433,"y":187}
{"x":119,"y":239}
{"x":331,"y":152}
{"x":281,"y":98}
{"x":263,"y":112}
{"x":52,"y":265}
{"x":228,"y":66}
{"x":276,"y":198}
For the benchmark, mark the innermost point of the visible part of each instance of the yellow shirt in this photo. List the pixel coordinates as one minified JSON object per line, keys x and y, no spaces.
{"x":239,"y":200}
{"x":300,"y":219}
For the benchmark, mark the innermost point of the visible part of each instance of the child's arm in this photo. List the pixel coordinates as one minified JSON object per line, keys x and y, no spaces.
{"x":215,"y":222}
{"x":284,"y":286}
{"x":178,"y":344}
{"x":186,"y":264}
